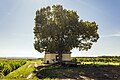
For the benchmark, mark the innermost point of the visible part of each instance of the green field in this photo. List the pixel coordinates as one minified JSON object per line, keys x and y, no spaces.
{"x":7,"y":66}
{"x":107,"y":68}
{"x":24,"y":71}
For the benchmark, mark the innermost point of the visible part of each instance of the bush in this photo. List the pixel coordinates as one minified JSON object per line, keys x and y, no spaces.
{"x":74,"y":60}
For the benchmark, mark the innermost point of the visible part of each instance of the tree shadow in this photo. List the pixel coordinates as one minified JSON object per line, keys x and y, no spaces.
{"x":81,"y":72}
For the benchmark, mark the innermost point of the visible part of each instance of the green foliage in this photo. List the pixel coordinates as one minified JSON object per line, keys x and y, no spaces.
{"x":74,"y":59}
{"x":23,"y":72}
{"x":59,"y":30}
{"x":97,"y":59}
{"x":7,"y":66}
{"x":81,"y":73}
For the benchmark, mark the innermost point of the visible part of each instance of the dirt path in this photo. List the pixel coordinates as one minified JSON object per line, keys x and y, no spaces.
{"x":34,"y":64}
{"x":29,"y":76}
{"x":86,"y":78}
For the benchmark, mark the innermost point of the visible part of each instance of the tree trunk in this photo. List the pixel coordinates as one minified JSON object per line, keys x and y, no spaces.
{"x":60,"y":57}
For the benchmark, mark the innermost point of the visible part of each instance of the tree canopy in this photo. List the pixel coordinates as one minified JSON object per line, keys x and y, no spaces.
{"x":58,"y":30}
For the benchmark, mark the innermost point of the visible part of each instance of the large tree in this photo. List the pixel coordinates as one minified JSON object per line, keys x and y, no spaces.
{"x":58,"y":30}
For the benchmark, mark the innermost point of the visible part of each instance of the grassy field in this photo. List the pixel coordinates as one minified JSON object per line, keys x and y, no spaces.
{"x":24,"y":72}
{"x":82,"y":72}
{"x":35,"y":70}
{"x":7,"y":66}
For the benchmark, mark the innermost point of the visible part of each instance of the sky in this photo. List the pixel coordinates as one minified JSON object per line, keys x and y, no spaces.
{"x":17,"y":23}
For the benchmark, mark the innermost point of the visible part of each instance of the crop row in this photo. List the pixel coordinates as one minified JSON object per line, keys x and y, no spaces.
{"x":7,"y":66}
{"x":96,"y":59}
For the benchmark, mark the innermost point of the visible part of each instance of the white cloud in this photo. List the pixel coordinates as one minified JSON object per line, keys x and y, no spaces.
{"x":117,"y":34}
{"x":112,"y":35}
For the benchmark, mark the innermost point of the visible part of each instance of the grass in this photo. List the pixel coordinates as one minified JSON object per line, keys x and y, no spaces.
{"x":23,"y":72}
{"x":86,"y":71}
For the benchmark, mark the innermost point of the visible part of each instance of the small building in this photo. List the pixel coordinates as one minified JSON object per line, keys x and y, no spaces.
{"x":53,"y":57}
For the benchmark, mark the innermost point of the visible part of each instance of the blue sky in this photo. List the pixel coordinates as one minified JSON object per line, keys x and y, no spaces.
{"x":17,"y":22}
